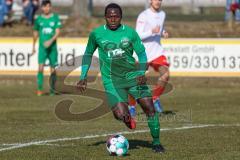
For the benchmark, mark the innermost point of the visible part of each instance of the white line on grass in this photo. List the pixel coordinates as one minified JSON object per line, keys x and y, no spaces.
{"x":22,"y":145}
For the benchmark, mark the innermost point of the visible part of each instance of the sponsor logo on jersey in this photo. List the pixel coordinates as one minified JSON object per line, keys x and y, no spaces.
{"x":47,"y":30}
{"x":115,"y":50}
{"x":115,"y":53}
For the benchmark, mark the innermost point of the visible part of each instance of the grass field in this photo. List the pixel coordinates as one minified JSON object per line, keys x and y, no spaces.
{"x":204,"y":124}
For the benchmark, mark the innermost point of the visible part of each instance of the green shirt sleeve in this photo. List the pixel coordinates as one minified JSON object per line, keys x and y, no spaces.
{"x":87,"y":57}
{"x":140,"y":51}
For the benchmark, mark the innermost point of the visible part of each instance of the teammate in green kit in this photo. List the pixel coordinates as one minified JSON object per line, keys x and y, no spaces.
{"x":47,"y":28}
{"x":120,"y":74}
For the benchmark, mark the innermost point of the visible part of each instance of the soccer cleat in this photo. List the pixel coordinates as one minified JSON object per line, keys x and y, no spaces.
{"x":52,"y":94}
{"x":39,"y":93}
{"x":158,"y":106}
{"x":158,"y":148}
{"x":132,"y":110}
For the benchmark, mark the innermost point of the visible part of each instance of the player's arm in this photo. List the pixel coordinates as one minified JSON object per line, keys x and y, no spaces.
{"x":86,"y":61}
{"x":164,"y":33}
{"x":53,"y":39}
{"x":142,"y":58}
{"x":35,"y":35}
{"x":140,"y":25}
{"x":35,"y":38}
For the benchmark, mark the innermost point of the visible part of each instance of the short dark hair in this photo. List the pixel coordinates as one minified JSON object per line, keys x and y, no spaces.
{"x":46,"y":2}
{"x":113,"y":5}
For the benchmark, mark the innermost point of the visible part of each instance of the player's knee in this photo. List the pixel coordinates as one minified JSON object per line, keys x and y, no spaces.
{"x":150,"y":112}
{"x":164,"y":74}
{"x":121,"y":115}
{"x":147,"y":106}
{"x":53,"y":72}
{"x":117,"y":115}
{"x":40,"y":69}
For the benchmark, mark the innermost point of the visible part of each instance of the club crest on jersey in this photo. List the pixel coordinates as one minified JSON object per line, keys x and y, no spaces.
{"x":125,"y":43}
{"x":52,"y":24}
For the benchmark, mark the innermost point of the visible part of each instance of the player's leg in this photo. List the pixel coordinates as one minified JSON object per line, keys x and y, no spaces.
{"x":162,"y":81}
{"x":1,"y":17}
{"x":132,"y":105}
{"x":153,"y":122}
{"x":52,"y":80}
{"x":121,"y":112}
{"x":40,"y":77}
{"x":160,"y":87}
{"x":118,"y":101}
{"x":144,"y":97}
{"x":53,"y":60}
{"x":161,"y":66}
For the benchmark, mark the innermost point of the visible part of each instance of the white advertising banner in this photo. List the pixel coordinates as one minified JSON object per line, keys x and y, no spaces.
{"x":188,"y":57}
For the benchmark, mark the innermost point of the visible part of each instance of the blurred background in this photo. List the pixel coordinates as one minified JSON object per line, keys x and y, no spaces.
{"x":185,"y":18}
{"x":202,"y":110}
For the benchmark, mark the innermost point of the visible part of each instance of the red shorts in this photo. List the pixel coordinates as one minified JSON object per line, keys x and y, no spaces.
{"x":160,"y":61}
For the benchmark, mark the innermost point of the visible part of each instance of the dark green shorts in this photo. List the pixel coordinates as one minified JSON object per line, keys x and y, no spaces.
{"x":50,"y":53}
{"x":117,"y":95}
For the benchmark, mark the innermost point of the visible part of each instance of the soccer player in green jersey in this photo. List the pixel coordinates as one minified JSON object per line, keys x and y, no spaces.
{"x":47,"y":28}
{"x":120,"y":74}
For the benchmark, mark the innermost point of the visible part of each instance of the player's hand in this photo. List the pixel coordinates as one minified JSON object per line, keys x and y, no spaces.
{"x":165,"y":34}
{"x":33,"y":51}
{"x":82,"y":85}
{"x":156,"y":30}
{"x":47,"y":43}
{"x":141,"y":80}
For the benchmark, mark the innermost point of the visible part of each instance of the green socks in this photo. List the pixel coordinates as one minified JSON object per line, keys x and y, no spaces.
{"x":40,"y":81}
{"x":153,"y":124}
{"x":53,"y":79}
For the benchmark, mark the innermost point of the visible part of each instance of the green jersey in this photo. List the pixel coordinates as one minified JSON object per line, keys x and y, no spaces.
{"x":46,"y":27}
{"x":115,"y":49}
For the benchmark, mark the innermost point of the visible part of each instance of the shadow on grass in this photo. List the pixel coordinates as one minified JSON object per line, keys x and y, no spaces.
{"x":165,"y":112}
{"x":168,"y":112}
{"x":133,"y":144}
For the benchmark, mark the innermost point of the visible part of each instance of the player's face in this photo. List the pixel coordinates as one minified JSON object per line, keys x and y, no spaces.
{"x":46,"y":9}
{"x":113,"y":18}
{"x":156,"y":4}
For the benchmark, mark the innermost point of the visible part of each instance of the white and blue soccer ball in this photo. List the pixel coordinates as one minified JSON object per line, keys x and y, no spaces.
{"x":117,"y":145}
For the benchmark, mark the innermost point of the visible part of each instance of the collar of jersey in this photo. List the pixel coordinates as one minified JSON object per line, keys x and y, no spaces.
{"x":122,"y":27}
{"x":48,"y":17}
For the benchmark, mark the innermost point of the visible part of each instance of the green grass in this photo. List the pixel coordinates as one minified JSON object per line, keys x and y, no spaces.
{"x":24,"y":118}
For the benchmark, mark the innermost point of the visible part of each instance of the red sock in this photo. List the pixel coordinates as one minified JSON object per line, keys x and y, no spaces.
{"x":131,"y":101}
{"x":158,"y":90}
{"x":132,"y":124}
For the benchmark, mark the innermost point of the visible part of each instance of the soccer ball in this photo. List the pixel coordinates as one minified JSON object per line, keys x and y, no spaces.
{"x":117,"y":145}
